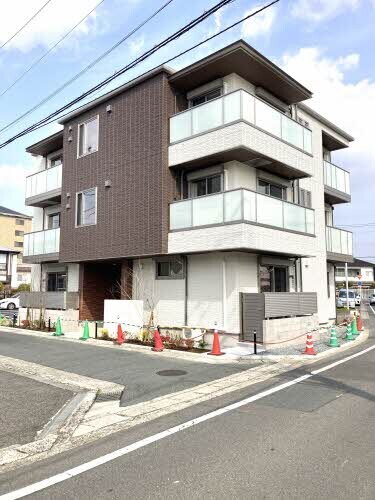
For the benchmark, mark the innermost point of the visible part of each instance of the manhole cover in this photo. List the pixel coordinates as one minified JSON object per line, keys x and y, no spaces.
{"x":171,"y":373}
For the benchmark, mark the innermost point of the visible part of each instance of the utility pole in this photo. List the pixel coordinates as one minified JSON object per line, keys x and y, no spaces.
{"x":347,"y":286}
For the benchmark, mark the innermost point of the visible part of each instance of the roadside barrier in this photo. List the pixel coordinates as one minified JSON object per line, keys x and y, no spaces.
{"x":86,"y":332}
{"x":58,"y":331}
{"x":333,"y":342}
{"x":354,"y":327}
{"x":120,"y":335}
{"x":309,"y":345}
{"x":216,"y":351}
{"x":158,"y":343}
{"x":349,"y":335}
{"x":359,"y":323}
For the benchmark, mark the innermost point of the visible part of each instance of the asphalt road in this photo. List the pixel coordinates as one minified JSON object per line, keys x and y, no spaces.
{"x":26,"y":406}
{"x":314,"y":439}
{"x":138,"y":372}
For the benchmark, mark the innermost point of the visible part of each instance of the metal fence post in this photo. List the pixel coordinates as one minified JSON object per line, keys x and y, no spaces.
{"x":14,"y":320}
{"x":255,"y":342}
{"x":49,"y":324}
{"x":96,"y":329}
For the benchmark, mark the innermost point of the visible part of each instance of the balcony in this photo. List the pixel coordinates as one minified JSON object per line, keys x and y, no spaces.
{"x":336,"y":184}
{"x":44,"y":188}
{"x":240,"y":219}
{"x":240,"y":126}
{"x":42,"y":246}
{"x":339,"y":244}
{"x":49,"y":300}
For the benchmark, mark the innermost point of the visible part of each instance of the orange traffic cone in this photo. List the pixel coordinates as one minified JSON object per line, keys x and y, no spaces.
{"x":359,"y":323}
{"x":158,"y":343}
{"x":215,"y":351}
{"x":309,"y":345}
{"x":120,"y":335}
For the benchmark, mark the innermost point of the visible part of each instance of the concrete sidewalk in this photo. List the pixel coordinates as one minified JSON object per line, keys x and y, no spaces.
{"x":26,"y":407}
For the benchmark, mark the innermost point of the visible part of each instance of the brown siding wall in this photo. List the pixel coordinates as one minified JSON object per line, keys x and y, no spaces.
{"x":132,"y":214}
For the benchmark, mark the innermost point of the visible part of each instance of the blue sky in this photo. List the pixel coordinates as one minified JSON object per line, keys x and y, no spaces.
{"x":325,"y":44}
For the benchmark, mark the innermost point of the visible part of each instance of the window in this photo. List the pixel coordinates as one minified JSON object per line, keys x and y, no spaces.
{"x":56,"y":282}
{"x":305,"y":198}
{"x":19,"y":233}
{"x":19,"y":277}
{"x":201,"y":99}
{"x":18,"y":244}
{"x":206,"y":185}
{"x":86,"y":207}
{"x":54,"y":221}
{"x":269,"y":189}
{"x":273,"y":279}
{"x":88,"y":135}
{"x":55,"y":162}
{"x":20,"y":222}
{"x":170,"y":269}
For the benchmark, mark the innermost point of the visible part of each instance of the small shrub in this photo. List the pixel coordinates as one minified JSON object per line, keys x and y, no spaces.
{"x":104,"y":335}
{"x":25,"y":323}
{"x":23,"y":287}
{"x":5,"y":322}
{"x":202,"y":344}
{"x":189,"y":343}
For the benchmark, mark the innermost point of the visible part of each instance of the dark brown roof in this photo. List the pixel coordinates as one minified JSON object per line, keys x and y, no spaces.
{"x":47,"y":145}
{"x":239,"y":57}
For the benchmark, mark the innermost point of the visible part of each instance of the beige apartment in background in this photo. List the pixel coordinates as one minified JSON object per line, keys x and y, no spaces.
{"x":13,"y":226}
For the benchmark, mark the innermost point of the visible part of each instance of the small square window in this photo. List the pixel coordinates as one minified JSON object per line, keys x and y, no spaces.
{"x":20,"y":222}
{"x":88,"y":136}
{"x":18,"y":244}
{"x":19,"y":233}
{"x":170,"y":268}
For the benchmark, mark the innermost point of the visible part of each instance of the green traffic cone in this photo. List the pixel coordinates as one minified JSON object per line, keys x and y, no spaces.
{"x":86,"y":333}
{"x":333,"y":342}
{"x":58,"y":330}
{"x":349,"y":335}
{"x":354,"y":327}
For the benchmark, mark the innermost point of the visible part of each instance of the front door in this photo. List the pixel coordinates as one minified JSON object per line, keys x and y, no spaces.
{"x":280,"y":274}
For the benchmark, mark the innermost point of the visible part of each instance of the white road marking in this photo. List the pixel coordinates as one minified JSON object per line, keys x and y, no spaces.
{"x":80,"y":469}
{"x":372,"y":308}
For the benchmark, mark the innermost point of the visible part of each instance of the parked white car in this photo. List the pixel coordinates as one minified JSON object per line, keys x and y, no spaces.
{"x":10,"y":302}
{"x":342,"y":300}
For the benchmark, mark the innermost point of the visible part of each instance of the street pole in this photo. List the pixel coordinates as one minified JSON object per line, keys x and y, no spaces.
{"x":347,"y":286}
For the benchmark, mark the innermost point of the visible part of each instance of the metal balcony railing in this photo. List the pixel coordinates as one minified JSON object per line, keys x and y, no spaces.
{"x":235,"y":106}
{"x":42,"y":242}
{"x":336,"y":177}
{"x":43,"y":181}
{"x":241,"y":205}
{"x":339,"y":241}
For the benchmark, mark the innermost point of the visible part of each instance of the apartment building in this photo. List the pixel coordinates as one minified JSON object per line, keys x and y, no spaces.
{"x":13,"y":226}
{"x":207,"y":193}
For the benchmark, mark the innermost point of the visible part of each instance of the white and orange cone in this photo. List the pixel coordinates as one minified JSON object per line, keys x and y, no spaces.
{"x":309,"y":345}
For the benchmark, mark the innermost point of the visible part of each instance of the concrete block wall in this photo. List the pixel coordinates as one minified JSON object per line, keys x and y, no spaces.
{"x":278,"y":330}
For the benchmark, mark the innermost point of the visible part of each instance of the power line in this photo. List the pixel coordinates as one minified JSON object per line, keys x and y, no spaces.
{"x":37,"y":61}
{"x":86,"y":68}
{"x":57,"y":114}
{"x":24,"y":26}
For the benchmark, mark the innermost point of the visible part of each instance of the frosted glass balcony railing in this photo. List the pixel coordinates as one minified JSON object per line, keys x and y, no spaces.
{"x":41,"y":242}
{"x":339,"y":241}
{"x":241,"y":205}
{"x":239,"y":105}
{"x":336,"y":177}
{"x":43,"y":181}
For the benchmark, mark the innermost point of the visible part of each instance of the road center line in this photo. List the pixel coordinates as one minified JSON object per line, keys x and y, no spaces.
{"x":80,"y":469}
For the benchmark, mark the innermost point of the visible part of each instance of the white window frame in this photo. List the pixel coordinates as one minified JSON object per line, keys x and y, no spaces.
{"x":95,"y":117}
{"x":96,"y":207}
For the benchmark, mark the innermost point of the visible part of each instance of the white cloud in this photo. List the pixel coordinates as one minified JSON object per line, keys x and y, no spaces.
{"x":321,"y":10}
{"x":136,"y":45}
{"x":350,"y":105}
{"x":12,"y":192}
{"x":51,"y":24}
{"x":260,"y":24}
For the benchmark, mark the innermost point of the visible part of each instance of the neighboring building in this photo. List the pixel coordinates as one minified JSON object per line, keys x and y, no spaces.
{"x":359,"y":271}
{"x":13,"y":226}
{"x":207,"y":192}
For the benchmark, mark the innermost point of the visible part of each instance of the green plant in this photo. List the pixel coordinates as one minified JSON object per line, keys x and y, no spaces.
{"x":104,"y":334}
{"x":23,"y":287}
{"x":202,"y":344}
{"x":189,"y":343}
